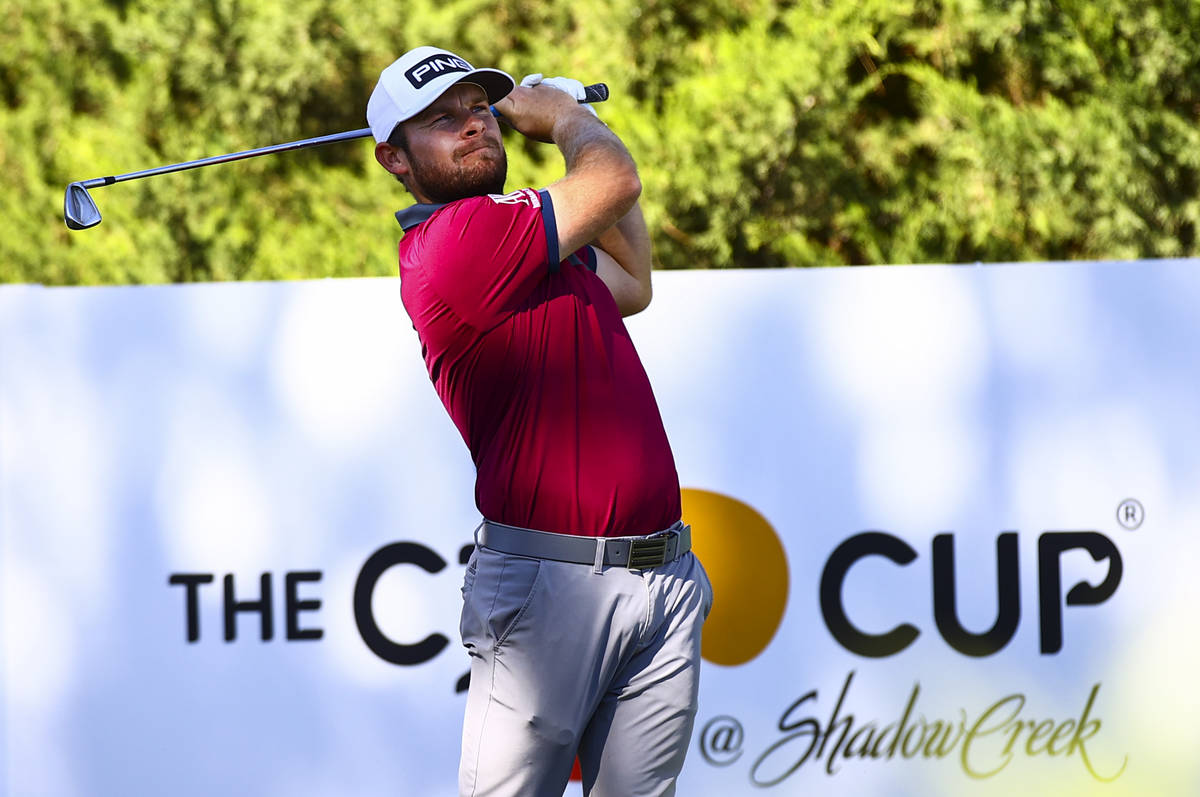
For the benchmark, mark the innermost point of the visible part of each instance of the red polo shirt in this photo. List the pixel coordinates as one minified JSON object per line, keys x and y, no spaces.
{"x":534,"y":364}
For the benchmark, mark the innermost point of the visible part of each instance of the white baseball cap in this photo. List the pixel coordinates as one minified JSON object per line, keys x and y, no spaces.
{"x":414,"y":80}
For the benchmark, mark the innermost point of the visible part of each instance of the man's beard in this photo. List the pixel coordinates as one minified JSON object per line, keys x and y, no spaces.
{"x":441,"y":184}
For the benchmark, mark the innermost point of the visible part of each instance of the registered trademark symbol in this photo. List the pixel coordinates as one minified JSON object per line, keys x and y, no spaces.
{"x":1130,"y":513}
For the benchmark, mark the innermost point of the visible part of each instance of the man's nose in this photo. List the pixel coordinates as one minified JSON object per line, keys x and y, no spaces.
{"x":474,"y":125}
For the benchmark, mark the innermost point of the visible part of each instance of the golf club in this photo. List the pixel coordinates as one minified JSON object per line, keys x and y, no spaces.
{"x":80,"y":211}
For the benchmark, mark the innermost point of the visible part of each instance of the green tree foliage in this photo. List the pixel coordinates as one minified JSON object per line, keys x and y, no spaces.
{"x":768,"y":132}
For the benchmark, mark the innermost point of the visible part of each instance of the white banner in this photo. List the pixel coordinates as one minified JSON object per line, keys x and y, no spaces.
{"x":950,"y":514}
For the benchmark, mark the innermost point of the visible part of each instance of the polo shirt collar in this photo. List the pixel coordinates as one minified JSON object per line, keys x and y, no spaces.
{"x":416,"y":214}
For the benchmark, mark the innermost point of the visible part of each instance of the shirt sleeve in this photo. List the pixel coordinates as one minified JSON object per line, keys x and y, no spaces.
{"x":584,"y":257}
{"x":483,"y":256}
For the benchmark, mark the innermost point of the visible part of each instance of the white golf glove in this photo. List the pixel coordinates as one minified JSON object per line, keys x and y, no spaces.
{"x":569,"y":85}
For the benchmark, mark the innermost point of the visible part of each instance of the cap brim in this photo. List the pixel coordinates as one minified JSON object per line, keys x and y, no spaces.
{"x":495,"y":84}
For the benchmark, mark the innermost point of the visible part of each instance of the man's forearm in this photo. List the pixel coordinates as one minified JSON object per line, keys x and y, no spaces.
{"x":586,"y":142}
{"x":628,"y":242}
{"x":588,"y":146}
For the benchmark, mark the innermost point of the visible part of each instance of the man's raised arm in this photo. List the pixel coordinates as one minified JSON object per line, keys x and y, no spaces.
{"x":596,"y":200}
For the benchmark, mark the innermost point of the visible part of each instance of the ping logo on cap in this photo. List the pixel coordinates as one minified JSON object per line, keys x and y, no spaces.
{"x":433,"y":66}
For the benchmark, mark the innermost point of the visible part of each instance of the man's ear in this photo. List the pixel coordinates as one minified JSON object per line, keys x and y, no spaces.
{"x":394,"y":159}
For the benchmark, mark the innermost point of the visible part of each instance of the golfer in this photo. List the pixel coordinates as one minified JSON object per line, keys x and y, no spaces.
{"x":582,"y":601}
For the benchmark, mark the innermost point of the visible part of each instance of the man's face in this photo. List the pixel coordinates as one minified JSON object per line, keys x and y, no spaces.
{"x":454,"y":148}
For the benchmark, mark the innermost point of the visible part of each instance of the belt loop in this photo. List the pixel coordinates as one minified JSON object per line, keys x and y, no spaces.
{"x":598,"y":564}
{"x":475,"y":534}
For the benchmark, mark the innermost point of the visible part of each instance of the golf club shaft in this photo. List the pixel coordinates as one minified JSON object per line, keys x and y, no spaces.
{"x":597,"y":92}
{"x":233,"y":156}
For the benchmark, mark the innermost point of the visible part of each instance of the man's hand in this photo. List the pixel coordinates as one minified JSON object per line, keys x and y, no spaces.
{"x":571,"y":86}
{"x":534,"y":111}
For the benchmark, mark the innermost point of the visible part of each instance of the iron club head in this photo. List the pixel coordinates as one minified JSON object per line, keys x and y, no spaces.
{"x":79,"y":209}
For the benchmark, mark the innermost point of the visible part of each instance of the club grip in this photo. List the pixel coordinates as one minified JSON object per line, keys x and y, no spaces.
{"x":597,"y":92}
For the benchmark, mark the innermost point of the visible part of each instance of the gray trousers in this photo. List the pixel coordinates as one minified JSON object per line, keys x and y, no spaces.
{"x":566,"y":661}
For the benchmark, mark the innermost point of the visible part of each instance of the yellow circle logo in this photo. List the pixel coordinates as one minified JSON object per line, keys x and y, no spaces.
{"x":746,"y":564}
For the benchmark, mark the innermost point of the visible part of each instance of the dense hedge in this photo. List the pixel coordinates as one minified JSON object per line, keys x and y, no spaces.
{"x":768,"y":133}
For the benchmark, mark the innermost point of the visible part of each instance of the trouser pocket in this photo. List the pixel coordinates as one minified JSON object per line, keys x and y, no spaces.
{"x":497,"y":593}
{"x":706,"y":588}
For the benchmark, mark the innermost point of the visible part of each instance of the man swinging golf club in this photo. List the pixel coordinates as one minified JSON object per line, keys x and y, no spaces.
{"x":582,"y":601}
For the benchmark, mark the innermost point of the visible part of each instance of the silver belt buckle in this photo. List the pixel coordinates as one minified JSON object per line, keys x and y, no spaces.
{"x":648,"y":552}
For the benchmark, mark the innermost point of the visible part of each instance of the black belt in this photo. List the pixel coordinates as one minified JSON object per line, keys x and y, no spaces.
{"x":635,"y":553}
